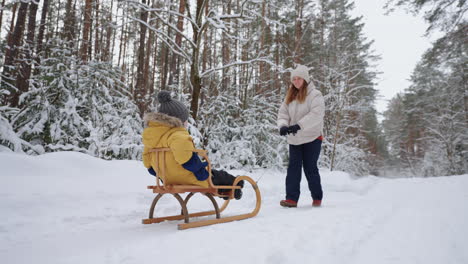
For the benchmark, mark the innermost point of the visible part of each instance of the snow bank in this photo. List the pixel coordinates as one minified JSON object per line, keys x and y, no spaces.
{"x":69,"y":207}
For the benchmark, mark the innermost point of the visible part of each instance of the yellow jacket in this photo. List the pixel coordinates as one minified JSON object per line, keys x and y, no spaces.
{"x":164,"y":131}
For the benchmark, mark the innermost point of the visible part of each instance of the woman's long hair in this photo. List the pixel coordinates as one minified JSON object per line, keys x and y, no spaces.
{"x":296,"y":94}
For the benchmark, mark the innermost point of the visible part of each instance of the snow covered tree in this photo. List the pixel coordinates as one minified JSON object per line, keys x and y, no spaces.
{"x":200,"y":19}
{"x":432,"y":131}
{"x":96,"y":65}
{"x":443,"y":14}
{"x":242,"y":137}
{"x":10,"y":65}
{"x":80,"y":107}
{"x":8,"y":136}
{"x":431,"y":136}
{"x":342,"y":60}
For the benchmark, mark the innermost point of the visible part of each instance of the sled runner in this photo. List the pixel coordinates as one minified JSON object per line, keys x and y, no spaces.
{"x":212,"y":190}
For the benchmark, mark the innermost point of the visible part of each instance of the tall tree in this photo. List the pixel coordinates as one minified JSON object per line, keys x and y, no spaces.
{"x":2,"y":7}
{"x":443,"y":14}
{"x":42,"y":26}
{"x":85,"y":44}
{"x":69,"y":23}
{"x":15,"y":38}
{"x":24,"y":74}
{"x":175,"y":67}
{"x":140,"y":92}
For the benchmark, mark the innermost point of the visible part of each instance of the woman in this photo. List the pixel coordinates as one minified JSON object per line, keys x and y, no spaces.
{"x":300,"y":117}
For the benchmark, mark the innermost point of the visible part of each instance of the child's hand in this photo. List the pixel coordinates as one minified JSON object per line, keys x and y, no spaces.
{"x":151,"y":171}
{"x":195,"y":165}
{"x":202,"y":174}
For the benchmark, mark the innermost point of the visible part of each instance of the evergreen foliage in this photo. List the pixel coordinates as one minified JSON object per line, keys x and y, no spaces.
{"x":79,"y":107}
{"x":427,"y":126}
{"x":96,"y":65}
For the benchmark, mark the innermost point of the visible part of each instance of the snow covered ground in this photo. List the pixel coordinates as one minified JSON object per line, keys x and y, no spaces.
{"x":72,"y":208}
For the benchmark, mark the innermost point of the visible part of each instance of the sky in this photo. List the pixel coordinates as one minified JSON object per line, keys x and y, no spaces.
{"x":399,"y":40}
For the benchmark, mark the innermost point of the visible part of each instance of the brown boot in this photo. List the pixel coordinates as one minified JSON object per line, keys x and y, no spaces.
{"x":317,"y":203}
{"x":288,"y":203}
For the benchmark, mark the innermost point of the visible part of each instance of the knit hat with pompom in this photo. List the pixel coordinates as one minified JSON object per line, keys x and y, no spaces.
{"x":172,"y":107}
{"x":301,"y":71}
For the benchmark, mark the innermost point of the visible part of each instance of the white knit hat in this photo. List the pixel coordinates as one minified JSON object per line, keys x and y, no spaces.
{"x":301,"y":71}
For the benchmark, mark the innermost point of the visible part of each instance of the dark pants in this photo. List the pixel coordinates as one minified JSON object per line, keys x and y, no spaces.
{"x":221,"y":177}
{"x":304,"y":155}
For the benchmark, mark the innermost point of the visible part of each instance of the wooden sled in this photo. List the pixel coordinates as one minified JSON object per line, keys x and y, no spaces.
{"x":160,"y":188}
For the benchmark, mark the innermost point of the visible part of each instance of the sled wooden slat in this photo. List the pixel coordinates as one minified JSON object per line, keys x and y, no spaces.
{"x":214,"y":221}
{"x":229,"y":218}
{"x":176,"y":217}
{"x":159,"y":154}
{"x":181,"y":189}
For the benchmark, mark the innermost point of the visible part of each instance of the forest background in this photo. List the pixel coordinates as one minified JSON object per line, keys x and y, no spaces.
{"x":78,"y":75}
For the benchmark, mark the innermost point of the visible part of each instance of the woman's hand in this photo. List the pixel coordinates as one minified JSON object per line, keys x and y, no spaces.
{"x":283,"y":130}
{"x":293,"y":129}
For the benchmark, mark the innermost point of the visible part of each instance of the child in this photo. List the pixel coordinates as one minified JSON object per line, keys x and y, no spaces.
{"x":167,"y":129}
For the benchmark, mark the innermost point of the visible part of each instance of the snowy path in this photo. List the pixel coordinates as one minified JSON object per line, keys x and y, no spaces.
{"x":71,"y":208}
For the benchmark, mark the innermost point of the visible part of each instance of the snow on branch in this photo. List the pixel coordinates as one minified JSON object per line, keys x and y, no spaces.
{"x":166,"y":40}
{"x":139,"y":5}
{"x":237,"y":63}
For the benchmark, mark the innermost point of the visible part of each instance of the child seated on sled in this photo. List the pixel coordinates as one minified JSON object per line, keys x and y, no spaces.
{"x":167,"y":129}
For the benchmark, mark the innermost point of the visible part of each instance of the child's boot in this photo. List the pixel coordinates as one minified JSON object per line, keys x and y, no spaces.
{"x":238,"y":192}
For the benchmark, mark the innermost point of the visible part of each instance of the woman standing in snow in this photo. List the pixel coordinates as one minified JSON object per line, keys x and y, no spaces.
{"x":300,"y":117}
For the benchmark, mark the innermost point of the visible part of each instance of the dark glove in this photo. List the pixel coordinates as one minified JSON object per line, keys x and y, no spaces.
{"x":195,"y":165}
{"x":293,"y":129}
{"x":283,"y":130}
{"x":151,"y":171}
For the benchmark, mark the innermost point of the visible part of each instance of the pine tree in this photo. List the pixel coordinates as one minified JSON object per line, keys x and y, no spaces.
{"x":79,"y":107}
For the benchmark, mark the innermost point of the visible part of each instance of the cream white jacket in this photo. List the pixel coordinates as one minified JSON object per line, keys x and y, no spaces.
{"x":308,"y":115}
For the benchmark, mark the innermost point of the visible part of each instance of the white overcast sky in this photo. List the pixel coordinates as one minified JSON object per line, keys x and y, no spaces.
{"x":399,"y":40}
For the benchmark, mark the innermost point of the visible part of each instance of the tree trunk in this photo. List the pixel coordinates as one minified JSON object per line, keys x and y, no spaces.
{"x":22,"y":80}
{"x":1,"y":15}
{"x":298,"y":33}
{"x":40,"y":36}
{"x":261,"y":65}
{"x":140,"y":92}
{"x":225,"y":52}
{"x":195,"y":79}
{"x":155,"y":58}
{"x":335,"y":140}
{"x":114,"y":32}
{"x":206,"y":53}
{"x":12,"y":22}
{"x":86,"y":30}
{"x":165,"y":57}
{"x":69,"y":23}
{"x":11,"y":54}
{"x":123,"y":40}
{"x":106,"y":53}
{"x":97,"y":33}
{"x":148,"y":52}
{"x":175,"y":69}
{"x":277,"y":60}
{"x":235,"y":56}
